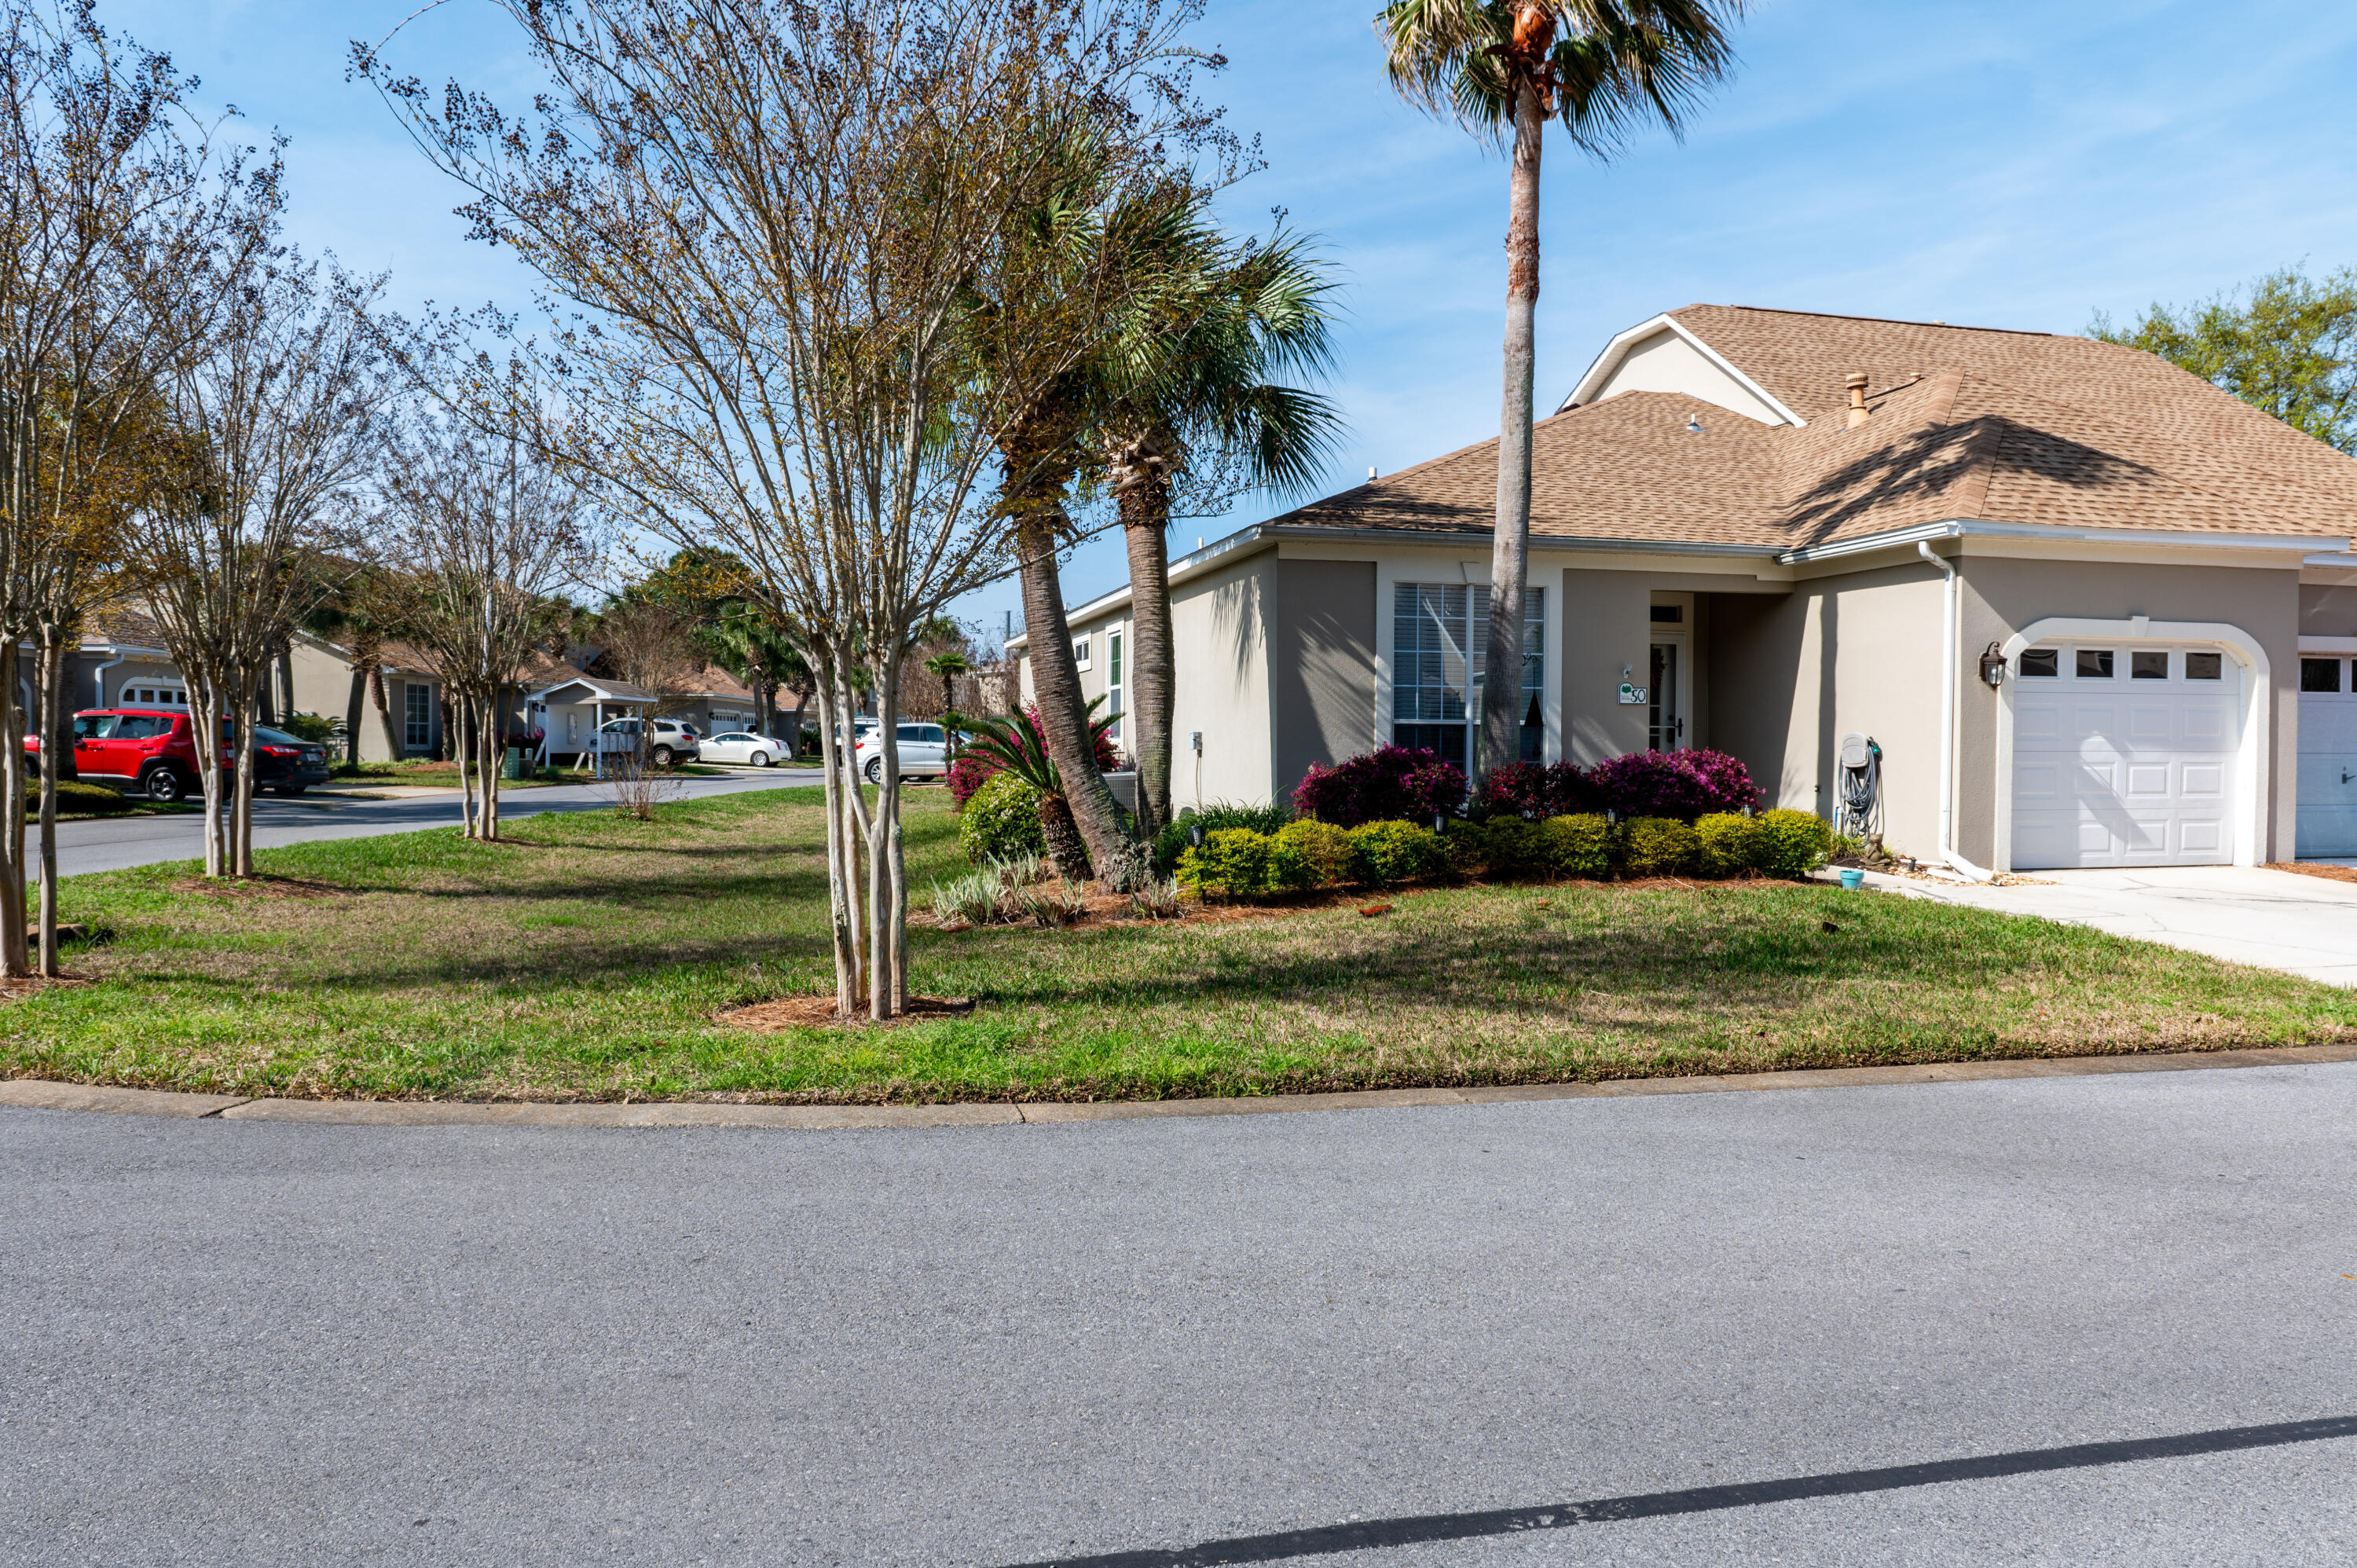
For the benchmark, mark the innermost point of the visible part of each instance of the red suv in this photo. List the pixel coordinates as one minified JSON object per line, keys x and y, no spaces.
{"x":153,"y":752}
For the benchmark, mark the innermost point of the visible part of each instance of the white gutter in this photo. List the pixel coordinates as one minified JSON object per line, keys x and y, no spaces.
{"x":1948,"y":716}
{"x":98,"y":676}
{"x":1953,"y":528}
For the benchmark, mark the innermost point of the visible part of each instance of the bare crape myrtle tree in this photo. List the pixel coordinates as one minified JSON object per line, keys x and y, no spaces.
{"x":279,"y":421}
{"x":480,"y":534}
{"x":121,"y":222}
{"x":788,"y":253}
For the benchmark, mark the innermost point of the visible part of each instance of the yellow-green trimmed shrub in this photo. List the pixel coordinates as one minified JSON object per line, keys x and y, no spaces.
{"x":1467,"y":845}
{"x":1233,"y":861}
{"x":1658,"y":846}
{"x":1001,"y":821}
{"x":1382,"y":853}
{"x":1793,"y":844}
{"x":1517,"y":848}
{"x":1315,"y":855}
{"x":1730,"y":843}
{"x":1578,"y":845}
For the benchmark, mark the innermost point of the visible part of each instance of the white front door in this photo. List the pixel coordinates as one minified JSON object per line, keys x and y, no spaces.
{"x":2327,"y":824}
{"x":2124,"y":755}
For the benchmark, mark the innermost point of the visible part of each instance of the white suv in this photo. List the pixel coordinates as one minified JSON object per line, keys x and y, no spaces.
{"x":668,"y":740}
{"x":924,"y":749}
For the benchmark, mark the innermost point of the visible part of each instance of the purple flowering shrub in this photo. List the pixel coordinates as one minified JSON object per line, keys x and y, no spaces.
{"x":1391,"y":783}
{"x":1537,"y":792}
{"x":1680,"y":784}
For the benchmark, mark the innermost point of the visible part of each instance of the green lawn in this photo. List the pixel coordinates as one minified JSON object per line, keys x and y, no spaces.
{"x":587,"y":958}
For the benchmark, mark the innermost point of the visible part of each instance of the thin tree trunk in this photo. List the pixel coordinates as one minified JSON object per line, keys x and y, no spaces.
{"x":205,"y":704}
{"x":884,"y":988}
{"x":15,"y":961}
{"x":1063,"y":715}
{"x":241,"y":743}
{"x":53,"y":675}
{"x":840,"y":913}
{"x":1502,"y":700}
{"x":1146,"y":517}
{"x":467,"y":818}
{"x":495,"y":755}
{"x":287,"y":679}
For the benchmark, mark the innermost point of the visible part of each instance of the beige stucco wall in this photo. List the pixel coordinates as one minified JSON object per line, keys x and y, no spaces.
{"x":2002,"y":595}
{"x":1321,"y":665}
{"x":1857,"y":652}
{"x":1607,"y":628}
{"x":1666,"y":362}
{"x":2327,"y":610}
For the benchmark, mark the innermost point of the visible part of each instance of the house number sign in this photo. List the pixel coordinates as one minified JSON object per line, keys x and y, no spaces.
{"x":1631,"y":694}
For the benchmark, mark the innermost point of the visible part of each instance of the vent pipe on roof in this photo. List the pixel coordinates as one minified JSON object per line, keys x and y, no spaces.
{"x":1856,"y":384}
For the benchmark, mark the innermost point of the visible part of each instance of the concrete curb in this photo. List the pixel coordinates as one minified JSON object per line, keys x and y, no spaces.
{"x":41,"y":1094}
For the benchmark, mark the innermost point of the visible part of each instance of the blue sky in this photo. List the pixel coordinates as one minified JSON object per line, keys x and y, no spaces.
{"x":2011,"y":163}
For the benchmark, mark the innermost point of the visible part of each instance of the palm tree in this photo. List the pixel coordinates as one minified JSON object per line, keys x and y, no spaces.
{"x":949,"y":665}
{"x":1090,"y":247}
{"x":1202,"y":396}
{"x":1502,"y":68}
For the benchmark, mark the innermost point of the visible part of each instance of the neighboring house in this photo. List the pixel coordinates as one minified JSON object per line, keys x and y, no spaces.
{"x":2094,"y":610}
{"x":568,"y":703}
{"x":123,"y":660}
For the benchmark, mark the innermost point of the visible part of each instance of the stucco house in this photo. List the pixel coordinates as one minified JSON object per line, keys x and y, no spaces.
{"x":2092,"y":610}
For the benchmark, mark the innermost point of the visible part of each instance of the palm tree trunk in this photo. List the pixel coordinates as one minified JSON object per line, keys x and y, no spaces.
{"x":1502,"y":702}
{"x":1146,"y":519}
{"x":1063,"y":713}
{"x":392,"y":748}
{"x":355,"y":710}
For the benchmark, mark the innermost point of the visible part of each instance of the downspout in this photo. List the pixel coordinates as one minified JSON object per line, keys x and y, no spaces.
{"x":1948,"y":599}
{"x":98,"y":676}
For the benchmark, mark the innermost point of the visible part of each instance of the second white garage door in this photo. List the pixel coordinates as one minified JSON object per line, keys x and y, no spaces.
{"x":2124,"y":756}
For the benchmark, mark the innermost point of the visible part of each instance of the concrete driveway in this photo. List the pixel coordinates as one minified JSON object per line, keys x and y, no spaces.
{"x":2274,"y":919}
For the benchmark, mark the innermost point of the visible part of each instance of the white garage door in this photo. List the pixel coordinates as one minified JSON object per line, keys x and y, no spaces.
{"x":2328,"y":758}
{"x":2125,"y":757}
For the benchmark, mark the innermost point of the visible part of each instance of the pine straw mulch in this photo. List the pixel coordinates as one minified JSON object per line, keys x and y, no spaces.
{"x":2313,"y":868}
{"x":261,"y":887}
{"x":818,"y":1011}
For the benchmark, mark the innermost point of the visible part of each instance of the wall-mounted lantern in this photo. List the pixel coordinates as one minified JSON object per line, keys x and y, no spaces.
{"x":1993,"y":667}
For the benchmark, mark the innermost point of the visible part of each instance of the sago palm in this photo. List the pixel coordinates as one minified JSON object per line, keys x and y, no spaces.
{"x":1502,"y":68}
{"x":1201,"y":395}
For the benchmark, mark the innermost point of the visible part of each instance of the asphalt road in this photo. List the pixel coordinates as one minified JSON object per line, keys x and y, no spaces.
{"x":112,"y":843}
{"x":1108,"y":1342}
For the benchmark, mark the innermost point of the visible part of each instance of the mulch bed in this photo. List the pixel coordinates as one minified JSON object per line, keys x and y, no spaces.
{"x":818,"y":1012}
{"x":260,"y":887}
{"x":2307,"y":868}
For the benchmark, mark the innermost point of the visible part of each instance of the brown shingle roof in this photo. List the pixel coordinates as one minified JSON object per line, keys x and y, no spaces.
{"x":1967,"y":423}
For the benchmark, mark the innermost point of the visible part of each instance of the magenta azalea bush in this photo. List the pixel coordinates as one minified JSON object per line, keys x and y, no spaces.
{"x":1680,"y":784}
{"x":1537,"y":792}
{"x":1391,"y":783}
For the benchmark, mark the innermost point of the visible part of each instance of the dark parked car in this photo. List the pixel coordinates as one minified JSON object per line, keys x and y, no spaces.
{"x":153,"y":752}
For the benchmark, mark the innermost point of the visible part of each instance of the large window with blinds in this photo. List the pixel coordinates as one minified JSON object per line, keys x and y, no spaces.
{"x":1437,"y":637}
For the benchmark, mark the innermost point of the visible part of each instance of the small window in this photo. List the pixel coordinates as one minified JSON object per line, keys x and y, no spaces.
{"x":2144,"y":666}
{"x":2319,"y":674}
{"x":2205,"y":666}
{"x":2041,"y":663}
{"x":1080,"y":651}
{"x":2094,"y":664}
{"x":1669,"y":615}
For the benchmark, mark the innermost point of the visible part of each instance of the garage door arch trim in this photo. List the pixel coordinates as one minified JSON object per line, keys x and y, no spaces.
{"x":2251,"y":747}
